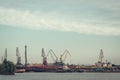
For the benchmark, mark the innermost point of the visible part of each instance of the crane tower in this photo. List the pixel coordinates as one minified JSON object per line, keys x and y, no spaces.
{"x":44,"y":57}
{"x":101,"y":56}
{"x":53,"y":55}
{"x":18,"y":56}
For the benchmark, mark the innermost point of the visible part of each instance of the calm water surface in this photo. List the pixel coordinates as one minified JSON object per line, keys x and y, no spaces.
{"x":62,"y":76}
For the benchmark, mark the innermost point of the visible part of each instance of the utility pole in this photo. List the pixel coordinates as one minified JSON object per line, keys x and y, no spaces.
{"x":25,"y":56}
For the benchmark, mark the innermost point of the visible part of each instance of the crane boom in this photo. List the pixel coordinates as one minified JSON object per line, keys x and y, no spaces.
{"x":64,"y":56}
{"x":51,"y":52}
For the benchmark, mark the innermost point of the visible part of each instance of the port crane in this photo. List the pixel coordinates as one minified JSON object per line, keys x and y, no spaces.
{"x":44,"y":57}
{"x":53,"y":55}
{"x":20,"y":68}
{"x":101,"y":56}
{"x":64,"y":56}
{"x":18,"y":56}
{"x":100,"y":59}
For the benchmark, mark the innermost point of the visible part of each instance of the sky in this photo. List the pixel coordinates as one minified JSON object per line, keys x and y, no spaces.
{"x":83,"y":27}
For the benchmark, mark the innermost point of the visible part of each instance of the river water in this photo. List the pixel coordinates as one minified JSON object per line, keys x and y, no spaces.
{"x":62,"y":76}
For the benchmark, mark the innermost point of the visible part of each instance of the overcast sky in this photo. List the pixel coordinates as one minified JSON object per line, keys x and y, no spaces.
{"x":81,"y":26}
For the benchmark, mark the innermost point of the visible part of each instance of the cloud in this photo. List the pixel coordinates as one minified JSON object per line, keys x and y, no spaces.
{"x":51,"y":21}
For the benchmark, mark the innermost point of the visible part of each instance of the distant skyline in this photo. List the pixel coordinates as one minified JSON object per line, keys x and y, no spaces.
{"x":81,"y":26}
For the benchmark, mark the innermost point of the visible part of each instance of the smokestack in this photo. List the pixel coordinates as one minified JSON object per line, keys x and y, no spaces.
{"x":25,"y":56}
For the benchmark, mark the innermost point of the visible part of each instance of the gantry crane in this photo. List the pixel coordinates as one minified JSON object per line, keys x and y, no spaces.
{"x":18,"y":56}
{"x":53,"y":55}
{"x":101,"y":56}
{"x":64,"y":56}
{"x":44,"y":57}
{"x":20,"y":68}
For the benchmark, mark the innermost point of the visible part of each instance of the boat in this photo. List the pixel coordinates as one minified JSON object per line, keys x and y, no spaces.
{"x":20,"y":69}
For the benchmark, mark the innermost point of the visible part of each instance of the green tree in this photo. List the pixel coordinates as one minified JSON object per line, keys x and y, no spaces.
{"x":7,"y":68}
